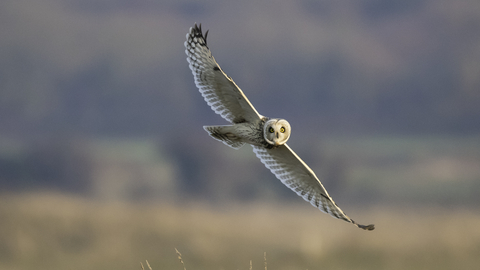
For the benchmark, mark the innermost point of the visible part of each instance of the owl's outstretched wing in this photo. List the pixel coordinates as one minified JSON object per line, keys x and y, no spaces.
{"x":296,"y":175}
{"x":218,"y":89}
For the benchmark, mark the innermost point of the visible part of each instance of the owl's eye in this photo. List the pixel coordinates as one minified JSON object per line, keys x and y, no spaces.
{"x":271,"y":130}
{"x":282,"y":130}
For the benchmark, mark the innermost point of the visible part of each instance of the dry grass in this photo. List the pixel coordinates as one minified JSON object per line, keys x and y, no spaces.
{"x":143,"y":268}
{"x":180,"y":258}
{"x":183,"y":264}
{"x":53,"y":231}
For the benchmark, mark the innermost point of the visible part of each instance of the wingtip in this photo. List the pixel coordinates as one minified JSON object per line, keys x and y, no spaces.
{"x":370,"y":227}
{"x":196,"y":31}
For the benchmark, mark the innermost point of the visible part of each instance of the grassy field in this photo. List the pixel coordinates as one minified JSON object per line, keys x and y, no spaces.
{"x":56,"y":231}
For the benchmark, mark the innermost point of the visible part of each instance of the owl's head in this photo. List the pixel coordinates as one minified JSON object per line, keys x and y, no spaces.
{"x":276,"y":131}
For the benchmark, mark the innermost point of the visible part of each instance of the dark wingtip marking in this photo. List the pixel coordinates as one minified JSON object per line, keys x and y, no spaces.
{"x":216,"y":68}
{"x":197,"y":32}
{"x":370,"y":227}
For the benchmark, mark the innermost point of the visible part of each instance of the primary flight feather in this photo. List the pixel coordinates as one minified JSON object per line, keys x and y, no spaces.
{"x":268,"y":136}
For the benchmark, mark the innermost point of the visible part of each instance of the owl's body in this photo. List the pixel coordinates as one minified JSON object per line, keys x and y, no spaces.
{"x":267,"y":136}
{"x":264,"y":132}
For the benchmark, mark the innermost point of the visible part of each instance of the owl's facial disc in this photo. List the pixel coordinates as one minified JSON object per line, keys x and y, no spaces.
{"x":276,"y":131}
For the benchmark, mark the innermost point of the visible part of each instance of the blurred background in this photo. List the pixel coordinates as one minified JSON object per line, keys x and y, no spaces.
{"x":104,"y":162}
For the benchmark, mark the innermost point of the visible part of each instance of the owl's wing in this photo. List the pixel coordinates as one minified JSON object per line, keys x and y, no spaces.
{"x":218,"y":89}
{"x":295,"y":174}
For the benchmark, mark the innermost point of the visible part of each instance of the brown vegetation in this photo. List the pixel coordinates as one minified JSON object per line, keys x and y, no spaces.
{"x":54,"y":231}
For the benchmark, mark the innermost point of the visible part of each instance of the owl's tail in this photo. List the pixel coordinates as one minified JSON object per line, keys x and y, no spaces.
{"x":225,"y":135}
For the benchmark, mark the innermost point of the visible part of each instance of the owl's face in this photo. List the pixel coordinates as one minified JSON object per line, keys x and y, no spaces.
{"x":276,"y":131}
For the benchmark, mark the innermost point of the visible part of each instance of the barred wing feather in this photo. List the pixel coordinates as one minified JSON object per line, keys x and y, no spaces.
{"x":219,"y":90}
{"x":295,"y":174}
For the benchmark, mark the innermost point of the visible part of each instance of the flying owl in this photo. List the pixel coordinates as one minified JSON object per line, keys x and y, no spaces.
{"x":267,"y":136}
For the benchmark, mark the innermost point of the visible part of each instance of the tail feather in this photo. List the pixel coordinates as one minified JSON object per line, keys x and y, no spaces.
{"x":224,"y":134}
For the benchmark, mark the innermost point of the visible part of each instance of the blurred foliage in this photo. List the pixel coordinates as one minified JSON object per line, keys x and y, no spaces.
{"x":401,"y":170}
{"x":58,"y":165}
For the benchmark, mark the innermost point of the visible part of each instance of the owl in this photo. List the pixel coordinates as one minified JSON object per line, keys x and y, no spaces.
{"x":267,"y":136}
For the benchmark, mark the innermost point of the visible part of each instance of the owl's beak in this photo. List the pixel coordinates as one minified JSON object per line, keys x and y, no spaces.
{"x":275,"y":140}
